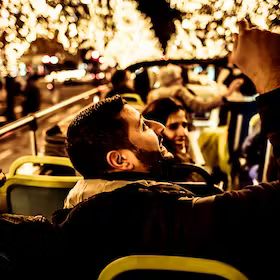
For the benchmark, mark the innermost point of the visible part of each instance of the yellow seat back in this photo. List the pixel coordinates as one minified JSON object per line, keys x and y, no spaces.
{"x":133,"y":98}
{"x":32,"y":194}
{"x":170,"y":263}
{"x":39,"y":159}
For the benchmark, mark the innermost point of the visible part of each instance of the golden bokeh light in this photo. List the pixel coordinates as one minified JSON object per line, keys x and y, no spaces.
{"x":121,"y":33}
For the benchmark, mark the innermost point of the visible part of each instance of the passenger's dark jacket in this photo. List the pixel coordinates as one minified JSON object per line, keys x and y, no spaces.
{"x":238,"y":227}
{"x":30,"y":247}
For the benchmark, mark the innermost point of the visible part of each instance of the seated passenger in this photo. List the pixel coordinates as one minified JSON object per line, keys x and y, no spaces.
{"x":171,"y":85}
{"x":173,"y":116}
{"x":122,"y":82}
{"x":254,"y":149}
{"x":111,"y":140}
{"x":142,"y":217}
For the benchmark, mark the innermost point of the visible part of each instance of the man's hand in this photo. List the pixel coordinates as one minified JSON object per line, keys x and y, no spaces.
{"x":234,"y":86}
{"x":256,"y":53}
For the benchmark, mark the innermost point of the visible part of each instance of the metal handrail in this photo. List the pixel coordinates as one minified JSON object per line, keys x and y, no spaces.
{"x":31,"y":120}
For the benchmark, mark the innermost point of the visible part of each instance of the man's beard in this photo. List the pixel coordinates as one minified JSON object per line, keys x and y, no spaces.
{"x":153,"y":160}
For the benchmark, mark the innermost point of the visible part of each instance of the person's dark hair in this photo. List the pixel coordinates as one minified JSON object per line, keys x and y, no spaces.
{"x":2,"y":178}
{"x":247,"y":88}
{"x":185,"y":74}
{"x":160,"y":109}
{"x":118,"y":78}
{"x":33,"y":77}
{"x":93,"y":133}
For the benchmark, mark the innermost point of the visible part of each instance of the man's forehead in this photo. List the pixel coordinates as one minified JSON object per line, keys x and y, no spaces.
{"x":129,"y":112}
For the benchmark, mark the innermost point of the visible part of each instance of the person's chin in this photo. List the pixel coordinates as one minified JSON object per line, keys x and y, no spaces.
{"x":180,"y":145}
{"x":165,"y":153}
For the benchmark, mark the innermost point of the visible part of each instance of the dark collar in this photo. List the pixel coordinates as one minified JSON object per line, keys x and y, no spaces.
{"x":168,"y":172}
{"x":128,"y":176}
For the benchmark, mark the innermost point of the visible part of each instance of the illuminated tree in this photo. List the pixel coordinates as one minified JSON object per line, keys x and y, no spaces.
{"x":207,"y":26}
{"x":133,"y":40}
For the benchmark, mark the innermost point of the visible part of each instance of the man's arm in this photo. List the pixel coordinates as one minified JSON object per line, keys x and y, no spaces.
{"x":256,"y":53}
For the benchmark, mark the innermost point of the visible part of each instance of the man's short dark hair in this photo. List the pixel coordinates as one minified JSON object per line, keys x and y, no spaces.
{"x":118,"y":78}
{"x":93,"y":133}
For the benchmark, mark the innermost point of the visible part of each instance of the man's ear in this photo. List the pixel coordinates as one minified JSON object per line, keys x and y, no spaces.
{"x":118,"y":160}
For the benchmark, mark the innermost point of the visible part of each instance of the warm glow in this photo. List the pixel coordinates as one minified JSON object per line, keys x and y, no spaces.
{"x":61,"y":76}
{"x":120,"y":33}
{"x":134,"y":39}
{"x":207,"y":26}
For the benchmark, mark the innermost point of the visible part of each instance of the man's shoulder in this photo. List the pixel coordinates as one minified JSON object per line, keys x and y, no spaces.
{"x":134,"y":195}
{"x":162,"y":92}
{"x":143,"y":188}
{"x":160,"y":187}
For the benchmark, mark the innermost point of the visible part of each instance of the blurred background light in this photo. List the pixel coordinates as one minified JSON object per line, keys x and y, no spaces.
{"x":122,"y":33}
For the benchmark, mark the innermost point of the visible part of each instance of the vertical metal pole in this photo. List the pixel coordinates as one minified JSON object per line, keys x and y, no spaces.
{"x":33,"y":141}
{"x":237,"y":132}
{"x":266,"y":161}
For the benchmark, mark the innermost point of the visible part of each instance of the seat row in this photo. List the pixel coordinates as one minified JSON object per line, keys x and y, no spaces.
{"x":35,"y":192}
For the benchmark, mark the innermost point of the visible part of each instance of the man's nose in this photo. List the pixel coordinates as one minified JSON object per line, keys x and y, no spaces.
{"x":156,"y":126}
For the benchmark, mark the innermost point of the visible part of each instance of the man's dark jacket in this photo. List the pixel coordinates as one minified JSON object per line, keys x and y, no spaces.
{"x":237,"y":227}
